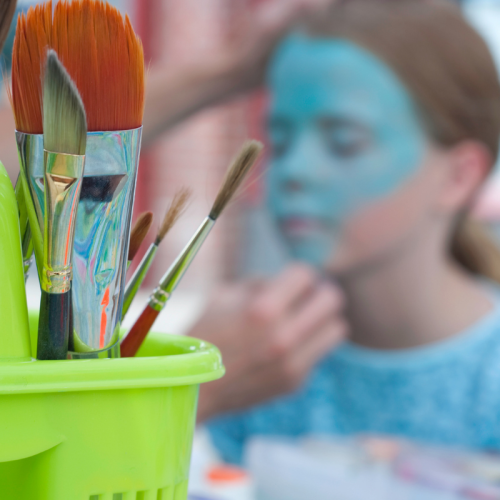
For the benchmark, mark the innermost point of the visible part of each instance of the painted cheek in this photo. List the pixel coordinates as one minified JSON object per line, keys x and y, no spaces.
{"x":306,"y":183}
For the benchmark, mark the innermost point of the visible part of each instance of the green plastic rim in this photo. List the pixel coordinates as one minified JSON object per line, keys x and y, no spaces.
{"x":177,"y":360}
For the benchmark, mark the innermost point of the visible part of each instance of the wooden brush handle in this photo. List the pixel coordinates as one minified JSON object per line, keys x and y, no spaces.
{"x":53,"y":325}
{"x":135,"y":337}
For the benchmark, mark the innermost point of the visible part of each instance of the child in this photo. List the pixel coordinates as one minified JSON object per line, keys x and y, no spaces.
{"x":384,"y":123}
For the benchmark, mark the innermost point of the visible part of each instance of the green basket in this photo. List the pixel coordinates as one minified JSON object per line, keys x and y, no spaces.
{"x":103,"y":429}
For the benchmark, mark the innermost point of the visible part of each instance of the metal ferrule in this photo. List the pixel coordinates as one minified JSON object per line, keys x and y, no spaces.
{"x":63,"y":182}
{"x":102,"y":230}
{"x":171,"y":278}
{"x":137,"y":278}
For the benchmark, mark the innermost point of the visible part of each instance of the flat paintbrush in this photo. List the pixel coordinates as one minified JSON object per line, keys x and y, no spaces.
{"x":104,"y":57}
{"x":237,"y":171}
{"x":64,"y":140}
{"x":138,"y":232}
{"x":173,"y":213}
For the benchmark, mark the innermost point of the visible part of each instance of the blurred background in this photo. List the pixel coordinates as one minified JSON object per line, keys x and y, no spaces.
{"x":180,"y":33}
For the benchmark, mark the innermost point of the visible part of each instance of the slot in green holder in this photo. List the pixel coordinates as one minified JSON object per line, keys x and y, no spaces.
{"x":54,"y":446}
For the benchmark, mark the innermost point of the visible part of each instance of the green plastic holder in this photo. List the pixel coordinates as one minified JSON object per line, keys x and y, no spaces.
{"x":96,"y":429}
{"x":14,"y":332}
{"x":103,"y":429}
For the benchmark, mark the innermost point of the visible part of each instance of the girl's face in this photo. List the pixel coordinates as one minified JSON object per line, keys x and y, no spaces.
{"x":346,"y":182}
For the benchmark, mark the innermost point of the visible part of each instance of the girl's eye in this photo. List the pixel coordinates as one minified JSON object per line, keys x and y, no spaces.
{"x":280,"y":137}
{"x":345,"y":140}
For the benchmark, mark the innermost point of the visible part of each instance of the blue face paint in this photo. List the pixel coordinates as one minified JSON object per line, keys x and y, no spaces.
{"x":344,"y":132}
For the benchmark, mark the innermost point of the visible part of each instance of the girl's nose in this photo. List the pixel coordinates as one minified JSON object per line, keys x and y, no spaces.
{"x":301,"y":168}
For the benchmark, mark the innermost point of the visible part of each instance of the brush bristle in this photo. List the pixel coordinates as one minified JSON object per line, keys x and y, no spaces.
{"x":176,"y":209}
{"x":138,"y":233}
{"x":7,"y":9}
{"x":235,"y":175}
{"x":64,"y":122}
{"x":101,"y":53}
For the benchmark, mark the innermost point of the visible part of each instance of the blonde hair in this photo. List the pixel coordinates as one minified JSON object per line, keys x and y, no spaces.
{"x":449,"y":70}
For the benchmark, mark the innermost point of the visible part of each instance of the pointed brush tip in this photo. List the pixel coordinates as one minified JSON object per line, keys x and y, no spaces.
{"x":237,"y":171}
{"x":174,"y":212}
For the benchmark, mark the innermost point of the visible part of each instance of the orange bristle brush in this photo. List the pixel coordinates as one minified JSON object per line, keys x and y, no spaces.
{"x":104,"y":57}
{"x":101,"y":53}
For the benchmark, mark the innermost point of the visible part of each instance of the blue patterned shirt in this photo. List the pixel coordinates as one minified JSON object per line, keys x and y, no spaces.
{"x":447,"y":392}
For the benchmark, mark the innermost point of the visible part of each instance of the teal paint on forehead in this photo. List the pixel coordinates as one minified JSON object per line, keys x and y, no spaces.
{"x":344,"y":131}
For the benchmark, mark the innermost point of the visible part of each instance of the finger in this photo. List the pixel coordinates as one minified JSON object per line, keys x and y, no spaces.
{"x":321,"y":306}
{"x":282,"y":293}
{"x":275,"y":15}
{"x":317,"y":347}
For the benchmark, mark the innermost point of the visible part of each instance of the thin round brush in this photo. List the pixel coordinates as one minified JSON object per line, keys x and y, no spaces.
{"x":64,"y":140}
{"x":235,"y":175}
{"x":138,"y":232}
{"x":175,"y":210}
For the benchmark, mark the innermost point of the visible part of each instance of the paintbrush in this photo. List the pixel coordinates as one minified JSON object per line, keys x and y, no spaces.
{"x":235,"y":174}
{"x":172,"y":214}
{"x":138,"y":232}
{"x":104,"y":57}
{"x":64,"y":141}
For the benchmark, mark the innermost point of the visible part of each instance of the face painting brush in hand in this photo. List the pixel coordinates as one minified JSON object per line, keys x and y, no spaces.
{"x":237,"y":171}
{"x":64,"y":140}
{"x":173,"y":213}
{"x":104,"y":58}
{"x":139,"y":231}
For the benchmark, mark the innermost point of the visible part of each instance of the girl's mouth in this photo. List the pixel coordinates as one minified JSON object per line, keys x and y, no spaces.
{"x":301,"y":227}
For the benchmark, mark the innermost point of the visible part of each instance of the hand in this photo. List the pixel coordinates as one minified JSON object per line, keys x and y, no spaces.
{"x":256,"y":31}
{"x":271,"y":334}
{"x":237,"y":65}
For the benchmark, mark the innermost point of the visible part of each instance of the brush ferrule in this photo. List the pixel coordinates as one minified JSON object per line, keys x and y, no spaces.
{"x":138,"y":277}
{"x":158,"y":299}
{"x":62,"y":182}
{"x":176,"y":271}
{"x":102,"y":228}
{"x":57,"y":281}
